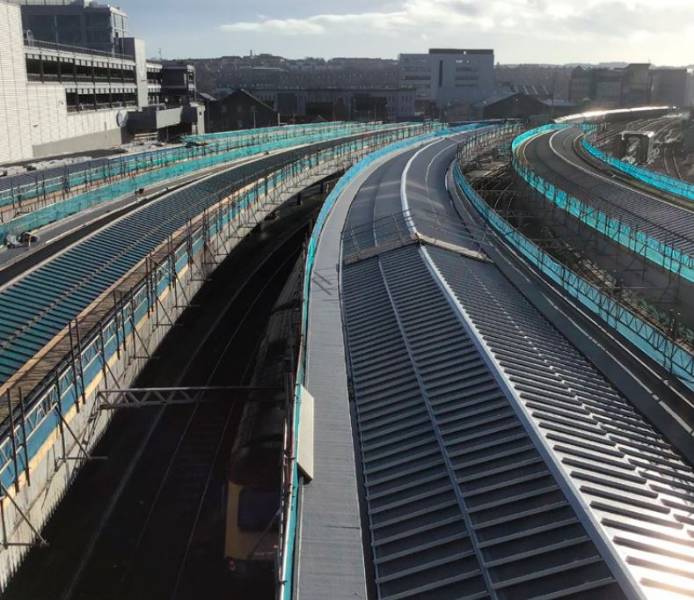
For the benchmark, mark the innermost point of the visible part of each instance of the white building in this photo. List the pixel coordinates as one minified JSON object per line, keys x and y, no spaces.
{"x":57,"y":99}
{"x":449,"y":77}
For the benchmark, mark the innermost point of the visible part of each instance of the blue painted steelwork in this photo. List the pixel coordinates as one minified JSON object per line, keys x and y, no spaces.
{"x":655,"y":344}
{"x":659,"y":252}
{"x":659,"y":181}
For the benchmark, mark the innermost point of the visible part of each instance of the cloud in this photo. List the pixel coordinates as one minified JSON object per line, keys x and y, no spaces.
{"x":412,"y":15}
{"x":282,"y":26}
{"x":534,"y":18}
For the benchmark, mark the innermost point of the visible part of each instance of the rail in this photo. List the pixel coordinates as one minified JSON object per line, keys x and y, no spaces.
{"x":117,"y":178}
{"x":43,"y":45}
{"x":658,"y":181}
{"x":17,"y":189}
{"x":307,"y":127}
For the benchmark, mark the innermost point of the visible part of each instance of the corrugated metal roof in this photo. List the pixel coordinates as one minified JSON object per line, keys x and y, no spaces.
{"x":637,"y":487}
{"x":40,"y":305}
{"x":497,"y":460}
{"x":460,"y":502}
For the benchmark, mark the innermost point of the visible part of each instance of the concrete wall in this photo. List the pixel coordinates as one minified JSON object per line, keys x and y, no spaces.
{"x":52,"y":125}
{"x":15,"y":135}
{"x":82,"y":143}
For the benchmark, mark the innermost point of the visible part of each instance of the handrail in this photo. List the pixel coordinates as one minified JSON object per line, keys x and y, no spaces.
{"x":17,"y":190}
{"x":646,"y":337}
{"x":661,"y":253}
{"x":43,"y":45}
{"x":659,"y":181}
{"x":116,"y":179}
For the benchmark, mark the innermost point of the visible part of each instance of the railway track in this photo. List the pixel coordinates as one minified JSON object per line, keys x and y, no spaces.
{"x":670,"y":163}
{"x":198,"y":449}
{"x":189,"y":472}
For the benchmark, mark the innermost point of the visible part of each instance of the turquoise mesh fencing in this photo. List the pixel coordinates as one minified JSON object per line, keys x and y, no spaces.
{"x":649,"y":339}
{"x":107,"y":170}
{"x":658,"y":252}
{"x":168,"y":166}
{"x":659,"y":181}
{"x":286,"y":130}
{"x":20,"y":443}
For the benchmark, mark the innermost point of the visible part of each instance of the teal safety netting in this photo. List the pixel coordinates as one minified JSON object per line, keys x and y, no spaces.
{"x":655,"y":250}
{"x":659,"y":181}
{"x":17,"y":190}
{"x":152,"y":168}
{"x":646,"y":337}
{"x":279,"y":130}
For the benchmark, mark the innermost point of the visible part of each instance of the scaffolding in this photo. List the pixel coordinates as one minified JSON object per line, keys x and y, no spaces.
{"x":659,"y":181}
{"x":645,"y":304}
{"x":38,"y":199}
{"x":656,"y":242}
{"x":79,"y":362}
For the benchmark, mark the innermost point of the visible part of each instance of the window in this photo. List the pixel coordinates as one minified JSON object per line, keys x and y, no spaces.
{"x":257,"y":508}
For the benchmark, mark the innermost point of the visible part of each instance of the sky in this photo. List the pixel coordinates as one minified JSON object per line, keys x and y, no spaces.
{"x":520,"y":31}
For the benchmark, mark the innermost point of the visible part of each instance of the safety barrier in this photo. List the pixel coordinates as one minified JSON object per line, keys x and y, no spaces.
{"x":283,"y":129}
{"x":650,"y":340}
{"x":521,"y":139}
{"x":661,"y":253}
{"x":17,"y":190}
{"x":659,"y":181}
{"x":159,"y":172}
{"x":289,"y":531}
